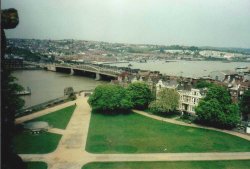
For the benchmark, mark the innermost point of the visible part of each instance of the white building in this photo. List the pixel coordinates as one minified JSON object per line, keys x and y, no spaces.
{"x":173,"y":84}
{"x":189,"y":99}
{"x":134,"y":79}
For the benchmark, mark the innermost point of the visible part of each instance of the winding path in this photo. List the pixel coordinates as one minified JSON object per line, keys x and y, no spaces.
{"x":174,"y":121}
{"x":70,"y":153}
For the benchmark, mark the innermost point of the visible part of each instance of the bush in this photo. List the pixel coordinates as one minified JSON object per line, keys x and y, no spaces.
{"x":110,"y":99}
{"x":245,"y":105}
{"x":140,"y":94}
{"x":167,"y":101}
{"x":217,"y":110}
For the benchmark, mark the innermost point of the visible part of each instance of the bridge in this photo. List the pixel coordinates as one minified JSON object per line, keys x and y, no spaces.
{"x":97,"y":71}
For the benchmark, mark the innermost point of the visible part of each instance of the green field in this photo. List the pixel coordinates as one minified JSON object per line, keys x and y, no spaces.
{"x":166,"y":115}
{"x":58,"y":119}
{"x":244,"y":164}
{"x":36,"y":165}
{"x":134,"y":133}
{"x":27,"y":143}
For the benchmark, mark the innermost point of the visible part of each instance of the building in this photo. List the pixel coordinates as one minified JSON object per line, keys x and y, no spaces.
{"x":170,"y":84}
{"x":13,"y":63}
{"x":242,"y":70}
{"x":190,"y":99}
{"x":222,"y":75}
{"x":236,"y":81}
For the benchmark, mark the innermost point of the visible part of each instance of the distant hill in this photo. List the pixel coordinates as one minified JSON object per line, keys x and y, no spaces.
{"x":70,"y":46}
{"x":227,"y":49}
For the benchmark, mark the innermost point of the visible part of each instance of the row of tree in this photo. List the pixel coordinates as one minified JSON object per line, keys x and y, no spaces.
{"x":10,"y":102}
{"x":115,"y":99}
{"x":28,"y":55}
{"x":216,"y":109}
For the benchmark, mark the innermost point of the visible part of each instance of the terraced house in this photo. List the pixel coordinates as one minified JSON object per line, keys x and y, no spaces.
{"x":189,"y":97}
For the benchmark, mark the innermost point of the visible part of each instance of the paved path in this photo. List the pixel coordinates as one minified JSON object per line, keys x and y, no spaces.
{"x":56,"y":131}
{"x":43,"y":112}
{"x":71,"y":154}
{"x":174,"y":121}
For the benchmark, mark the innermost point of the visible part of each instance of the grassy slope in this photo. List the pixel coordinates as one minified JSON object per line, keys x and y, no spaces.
{"x":58,"y":119}
{"x":36,"y":165}
{"x":134,"y":133}
{"x":171,"y":165}
{"x":27,"y":143}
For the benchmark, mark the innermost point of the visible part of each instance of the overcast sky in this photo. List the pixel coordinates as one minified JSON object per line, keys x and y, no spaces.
{"x":220,"y":23}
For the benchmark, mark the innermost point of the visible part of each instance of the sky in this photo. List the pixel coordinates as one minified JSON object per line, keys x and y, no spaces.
{"x":218,"y":23}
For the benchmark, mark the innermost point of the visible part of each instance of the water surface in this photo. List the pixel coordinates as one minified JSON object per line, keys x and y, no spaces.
{"x":46,"y":85}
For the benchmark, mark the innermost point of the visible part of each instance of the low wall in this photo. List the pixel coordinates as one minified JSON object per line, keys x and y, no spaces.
{"x":38,"y":107}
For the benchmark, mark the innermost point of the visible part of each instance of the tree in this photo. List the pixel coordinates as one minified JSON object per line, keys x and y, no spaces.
{"x":167,"y":101}
{"x":69,"y":91}
{"x":162,"y":50}
{"x":140,"y":94}
{"x":217,"y":110}
{"x":245,"y":105}
{"x":193,"y":48}
{"x":202,"y":84}
{"x":110,"y":99}
{"x":220,"y":94}
{"x":10,"y":102}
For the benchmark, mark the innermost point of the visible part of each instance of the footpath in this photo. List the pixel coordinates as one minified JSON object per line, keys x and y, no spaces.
{"x":43,"y":112}
{"x":174,"y":121}
{"x":71,"y":154}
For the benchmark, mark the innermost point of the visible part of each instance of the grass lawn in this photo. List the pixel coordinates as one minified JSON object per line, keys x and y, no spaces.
{"x":36,"y":165}
{"x":27,"y":143}
{"x":167,"y":115}
{"x":134,"y":133}
{"x":244,"y":164}
{"x":58,"y":119}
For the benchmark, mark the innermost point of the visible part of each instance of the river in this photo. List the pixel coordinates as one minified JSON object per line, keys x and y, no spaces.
{"x":46,"y":85}
{"x":185,"y":68}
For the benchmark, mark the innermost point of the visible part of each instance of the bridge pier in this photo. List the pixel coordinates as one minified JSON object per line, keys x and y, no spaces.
{"x":63,"y":69}
{"x":98,"y":76}
{"x":51,"y":68}
{"x":93,"y":71}
{"x":72,"y":71}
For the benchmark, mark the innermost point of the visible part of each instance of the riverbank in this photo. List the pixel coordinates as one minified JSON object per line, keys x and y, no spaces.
{"x":42,"y":106}
{"x":48,"y":85}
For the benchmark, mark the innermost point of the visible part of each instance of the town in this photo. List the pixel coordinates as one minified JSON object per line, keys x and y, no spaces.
{"x":71,"y":52}
{"x":125,"y":84}
{"x":89,"y":51}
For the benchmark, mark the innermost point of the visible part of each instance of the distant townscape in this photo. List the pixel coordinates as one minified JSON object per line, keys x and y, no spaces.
{"x":105,"y":104}
{"x":89,"y":51}
{"x":90,"y":58}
